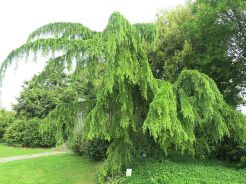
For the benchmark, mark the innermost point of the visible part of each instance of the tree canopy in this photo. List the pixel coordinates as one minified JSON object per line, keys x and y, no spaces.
{"x":39,"y":97}
{"x":123,"y":102}
{"x":208,"y":36}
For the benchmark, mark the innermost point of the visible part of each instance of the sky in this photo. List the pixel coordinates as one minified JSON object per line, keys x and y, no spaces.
{"x":19,"y":18}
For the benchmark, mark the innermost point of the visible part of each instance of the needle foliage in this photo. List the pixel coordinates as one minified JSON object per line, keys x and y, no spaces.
{"x":126,"y":105}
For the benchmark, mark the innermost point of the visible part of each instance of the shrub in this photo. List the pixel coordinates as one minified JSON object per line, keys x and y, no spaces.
{"x":6,"y":119}
{"x":96,"y":149}
{"x":242,"y":162}
{"x":93,"y":149}
{"x":26,"y":133}
{"x":231,"y":151}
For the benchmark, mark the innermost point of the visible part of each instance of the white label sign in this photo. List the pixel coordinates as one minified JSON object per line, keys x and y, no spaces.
{"x":128,"y":172}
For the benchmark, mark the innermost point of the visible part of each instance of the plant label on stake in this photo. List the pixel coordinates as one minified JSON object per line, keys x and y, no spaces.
{"x":128,"y":172}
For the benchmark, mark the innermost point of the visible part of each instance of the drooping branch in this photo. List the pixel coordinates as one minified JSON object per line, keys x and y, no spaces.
{"x":43,"y":46}
{"x":62,"y":30}
{"x":162,"y":120}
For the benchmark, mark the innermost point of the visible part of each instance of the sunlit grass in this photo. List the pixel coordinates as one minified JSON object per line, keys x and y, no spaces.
{"x":59,"y":169}
{"x":8,"y":151}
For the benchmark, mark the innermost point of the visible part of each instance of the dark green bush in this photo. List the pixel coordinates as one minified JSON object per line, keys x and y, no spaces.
{"x":6,"y":119}
{"x":231,"y":151}
{"x":27,"y":133}
{"x":94,"y":149}
{"x":242,"y":162}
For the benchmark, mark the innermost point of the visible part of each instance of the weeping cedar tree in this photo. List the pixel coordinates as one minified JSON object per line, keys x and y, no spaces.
{"x":130,"y":108}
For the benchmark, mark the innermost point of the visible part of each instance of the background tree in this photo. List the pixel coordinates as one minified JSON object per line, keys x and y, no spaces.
{"x":39,"y":97}
{"x":173,"y":49}
{"x":208,"y":36}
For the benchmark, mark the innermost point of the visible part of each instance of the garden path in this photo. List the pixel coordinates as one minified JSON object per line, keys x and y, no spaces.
{"x":23,"y":157}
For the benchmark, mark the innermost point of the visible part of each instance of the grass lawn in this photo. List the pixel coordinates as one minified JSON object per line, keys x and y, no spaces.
{"x":59,"y":169}
{"x":180,"y":170}
{"x":7,"y":151}
{"x":72,"y":169}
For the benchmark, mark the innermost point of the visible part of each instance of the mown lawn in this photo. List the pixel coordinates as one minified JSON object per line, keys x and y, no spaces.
{"x":8,"y":151}
{"x":72,"y":169}
{"x":184,"y":170}
{"x":60,"y":169}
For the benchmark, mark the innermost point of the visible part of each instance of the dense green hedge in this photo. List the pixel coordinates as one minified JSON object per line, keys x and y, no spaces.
{"x":27,"y":133}
{"x":6,"y":119}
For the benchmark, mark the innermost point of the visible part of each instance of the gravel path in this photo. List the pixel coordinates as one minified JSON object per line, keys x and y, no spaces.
{"x":23,"y":157}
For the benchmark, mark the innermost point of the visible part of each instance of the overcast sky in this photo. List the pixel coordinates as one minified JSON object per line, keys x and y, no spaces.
{"x":19,"y":18}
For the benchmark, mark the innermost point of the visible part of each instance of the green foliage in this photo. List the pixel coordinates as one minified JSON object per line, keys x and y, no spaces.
{"x":36,"y":102}
{"x":231,"y":151}
{"x":62,"y":30}
{"x":68,"y":38}
{"x":41,"y":94}
{"x":182,"y":169}
{"x":6,"y":119}
{"x":162,"y":121}
{"x":190,"y":113}
{"x":173,"y":51}
{"x":26,"y":133}
{"x":219,"y":43}
{"x":149,"y":34}
{"x":93,"y":149}
{"x":208,"y":36}
{"x":126,"y":105}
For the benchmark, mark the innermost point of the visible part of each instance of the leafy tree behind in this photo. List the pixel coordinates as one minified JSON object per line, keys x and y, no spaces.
{"x":174,"y":50}
{"x":40,"y":96}
{"x":208,"y":36}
